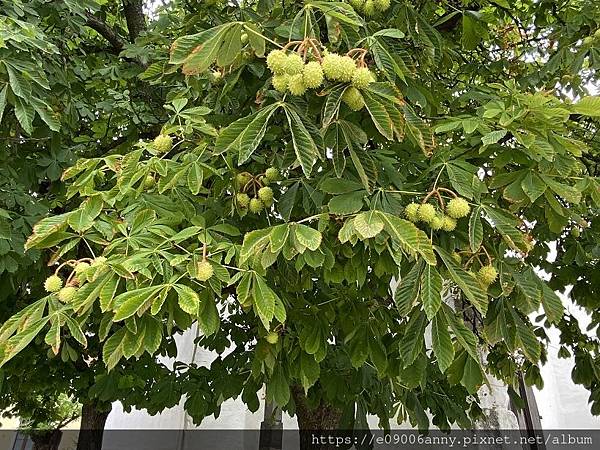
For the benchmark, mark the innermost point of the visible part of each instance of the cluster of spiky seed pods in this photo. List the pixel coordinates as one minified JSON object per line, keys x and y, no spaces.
{"x":300,"y":66}
{"x":445,"y":218}
{"x":81,"y":270}
{"x":253,"y":194}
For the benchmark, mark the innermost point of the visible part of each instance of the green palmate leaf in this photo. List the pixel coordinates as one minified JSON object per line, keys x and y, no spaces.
{"x":189,"y":300}
{"x":231,"y":46}
{"x":529,"y":342}
{"x":475,"y":230}
{"x":466,"y":281}
{"x":12,"y":346}
{"x":198,"y":51}
{"x":409,"y":236}
{"x":255,"y":38}
{"x":23,"y":319}
{"x":334,"y":140}
{"x":588,"y":106}
{"x":363,"y":162}
{"x":25,"y":115}
{"x":76,"y":331}
{"x":244,"y":135}
{"x":194,"y":178}
{"x":264,"y":300}
{"x":3,"y":93}
{"x":533,"y":186}
{"x":441,"y":342}
{"x":497,"y":322}
{"x":385,"y":60}
{"x":506,"y":224}
{"x":254,"y":242}
{"x":332,"y":104}
{"x":279,"y":387}
{"x":208,"y":317}
{"x":463,"y":335}
{"x":304,"y":145}
{"x":83,"y":218}
{"x":378,"y":355}
{"x":412,"y":342}
{"x":368,"y":224}
{"x":472,"y":378}
{"x":346,"y":203}
{"x":307,"y":236}
{"x":153,"y":336}
{"x":46,"y":229}
{"x":132,"y":302}
{"x":431,"y":291}
{"x":309,"y":370}
{"x":418,"y":130}
{"x":379,"y":114}
{"x":342,"y":12}
{"x":553,"y":306}
{"x":112,"y":351}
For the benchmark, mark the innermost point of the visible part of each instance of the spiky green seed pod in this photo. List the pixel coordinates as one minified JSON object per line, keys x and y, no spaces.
{"x":163,"y":143}
{"x":276,"y":61}
{"x":244,"y":38}
{"x":67,"y":294}
{"x":382,"y":5}
{"x":272,"y":337}
{"x":53,"y":283}
{"x":448,"y":223}
{"x":204,"y":270}
{"x":256,"y":205}
{"x":266,"y":195}
{"x":426,"y":212}
{"x":330,"y":65}
{"x":312,"y":75}
{"x":362,"y":78}
{"x":149,"y":182}
{"x":369,"y":8}
{"x":410,"y":212}
{"x":100,"y":261}
{"x":357,"y":4}
{"x":294,"y":64}
{"x":353,"y":98}
{"x":280,"y":82}
{"x":436,"y":223}
{"x":487,"y":275}
{"x":457,"y":208}
{"x":296,"y":85}
{"x":81,"y":268}
{"x":347,"y":68}
{"x":272,"y":174}
{"x":242,"y":199}
{"x":575,"y":232}
{"x":242,"y":179}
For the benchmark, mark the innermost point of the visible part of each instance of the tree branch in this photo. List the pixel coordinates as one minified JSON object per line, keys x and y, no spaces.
{"x":105,"y":31}
{"x":134,"y":15}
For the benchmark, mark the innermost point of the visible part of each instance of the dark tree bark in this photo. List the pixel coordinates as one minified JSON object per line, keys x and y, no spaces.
{"x":315,"y":422}
{"x":46,"y":440}
{"x":91,"y":431}
{"x":104,"y":30}
{"x":134,"y":15}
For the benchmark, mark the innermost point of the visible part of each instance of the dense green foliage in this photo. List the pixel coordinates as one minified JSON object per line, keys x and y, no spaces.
{"x":287,"y":200}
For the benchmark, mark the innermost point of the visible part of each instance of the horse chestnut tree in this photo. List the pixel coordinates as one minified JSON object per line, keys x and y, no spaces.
{"x":358,"y":173}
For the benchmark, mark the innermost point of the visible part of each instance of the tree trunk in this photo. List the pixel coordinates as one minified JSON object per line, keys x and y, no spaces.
{"x":134,"y":15}
{"x":316,"y":423}
{"x":91,"y":431}
{"x":46,"y":440}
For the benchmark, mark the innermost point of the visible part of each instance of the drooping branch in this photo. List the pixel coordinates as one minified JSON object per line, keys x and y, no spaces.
{"x":134,"y":15}
{"x":104,"y":30}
